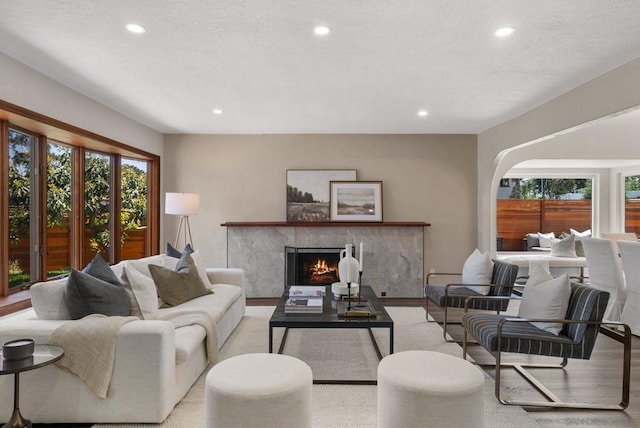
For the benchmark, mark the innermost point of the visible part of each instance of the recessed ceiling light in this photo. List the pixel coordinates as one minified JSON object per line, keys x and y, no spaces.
{"x":504,"y":31}
{"x":423,"y":113}
{"x":321,"y":30}
{"x":135,"y":28}
{"x":217,"y":111}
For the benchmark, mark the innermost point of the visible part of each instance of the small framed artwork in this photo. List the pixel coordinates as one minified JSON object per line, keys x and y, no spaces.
{"x":504,"y":182}
{"x":308,"y":192}
{"x":356,"y":201}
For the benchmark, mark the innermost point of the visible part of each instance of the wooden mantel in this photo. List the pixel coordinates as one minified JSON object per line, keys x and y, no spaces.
{"x":325,"y":224}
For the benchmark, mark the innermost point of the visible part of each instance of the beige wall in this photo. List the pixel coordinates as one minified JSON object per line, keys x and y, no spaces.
{"x":32,"y":90}
{"x":429,"y":178}
{"x":611,"y":93}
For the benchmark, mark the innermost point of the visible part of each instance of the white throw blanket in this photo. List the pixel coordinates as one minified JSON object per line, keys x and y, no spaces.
{"x":89,"y":348}
{"x":182,"y":316}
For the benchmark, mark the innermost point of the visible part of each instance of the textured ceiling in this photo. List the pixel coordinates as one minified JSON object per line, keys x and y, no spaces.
{"x":260,"y":62}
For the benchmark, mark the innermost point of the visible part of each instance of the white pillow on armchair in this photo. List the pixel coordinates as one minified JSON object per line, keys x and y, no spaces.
{"x":478,"y":269}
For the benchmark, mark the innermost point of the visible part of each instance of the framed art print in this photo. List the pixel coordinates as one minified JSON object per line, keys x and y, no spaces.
{"x":308,"y":192}
{"x":356,"y":201}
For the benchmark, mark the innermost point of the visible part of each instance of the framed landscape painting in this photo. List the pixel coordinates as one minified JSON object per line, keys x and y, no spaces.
{"x":308,"y":192}
{"x":356,"y":201}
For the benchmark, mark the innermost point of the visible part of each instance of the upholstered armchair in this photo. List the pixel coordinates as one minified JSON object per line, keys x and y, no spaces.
{"x":583,"y":321}
{"x":454,"y":295}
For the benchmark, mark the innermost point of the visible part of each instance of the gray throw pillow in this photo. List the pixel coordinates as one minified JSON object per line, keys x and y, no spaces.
{"x":179,"y":285}
{"x":87,"y":295}
{"x":172,"y":252}
{"x":98,"y":268}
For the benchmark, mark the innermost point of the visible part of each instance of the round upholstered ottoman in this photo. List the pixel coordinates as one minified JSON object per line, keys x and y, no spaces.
{"x":429,"y":389}
{"x":259,"y":390}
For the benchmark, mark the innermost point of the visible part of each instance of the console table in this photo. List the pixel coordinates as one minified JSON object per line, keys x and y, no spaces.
{"x":394,"y":252}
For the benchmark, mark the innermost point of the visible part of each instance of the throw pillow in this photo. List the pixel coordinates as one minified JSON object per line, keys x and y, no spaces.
{"x":144,"y":291}
{"x":538,"y":274}
{"x":564,"y":247}
{"x":579,"y":236}
{"x":200,"y":266}
{"x":87,"y":295}
{"x":585,"y":234}
{"x":98,"y":268}
{"x":546,"y":300}
{"x":172,"y":252}
{"x":478,"y":269}
{"x":546,"y":239}
{"x":48,"y":301}
{"x":179,"y":285}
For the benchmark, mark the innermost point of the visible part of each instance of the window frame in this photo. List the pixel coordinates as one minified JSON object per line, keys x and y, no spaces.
{"x":47,"y":129}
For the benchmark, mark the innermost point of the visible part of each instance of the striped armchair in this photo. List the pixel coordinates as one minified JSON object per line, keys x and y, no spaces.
{"x":498,"y":334}
{"x":454,"y":295}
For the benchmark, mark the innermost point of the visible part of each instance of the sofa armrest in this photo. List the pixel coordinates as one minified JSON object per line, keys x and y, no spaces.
{"x":232,"y":276}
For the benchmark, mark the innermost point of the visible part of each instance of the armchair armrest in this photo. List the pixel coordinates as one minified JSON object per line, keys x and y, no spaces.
{"x":430,"y":274}
{"x":470,"y":298}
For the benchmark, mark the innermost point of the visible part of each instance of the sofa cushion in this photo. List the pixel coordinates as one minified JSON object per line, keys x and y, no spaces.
{"x":187,"y":340}
{"x":86,"y":294}
{"x":48,"y":301}
{"x":179,"y":285}
{"x":546,"y":239}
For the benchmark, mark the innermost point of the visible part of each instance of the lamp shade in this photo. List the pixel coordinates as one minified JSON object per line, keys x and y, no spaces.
{"x":182,"y":203}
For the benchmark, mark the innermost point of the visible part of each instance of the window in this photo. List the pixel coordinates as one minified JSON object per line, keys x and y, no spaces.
{"x":21,"y":165}
{"x":97,"y":206}
{"x":632,"y":204}
{"x":67,"y":195}
{"x":133,"y":215}
{"x":541,"y":204}
{"x":59,"y":213}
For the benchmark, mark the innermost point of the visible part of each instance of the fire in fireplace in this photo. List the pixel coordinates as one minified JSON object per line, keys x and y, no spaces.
{"x":311,"y":266}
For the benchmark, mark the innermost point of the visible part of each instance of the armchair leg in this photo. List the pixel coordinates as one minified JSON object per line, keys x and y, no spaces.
{"x":553,"y":400}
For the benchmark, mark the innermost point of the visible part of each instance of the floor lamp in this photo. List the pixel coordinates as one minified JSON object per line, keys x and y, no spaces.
{"x":184,"y":205}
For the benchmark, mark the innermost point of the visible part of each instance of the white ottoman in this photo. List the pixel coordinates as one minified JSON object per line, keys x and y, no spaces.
{"x":429,"y":389}
{"x":259,"y":390}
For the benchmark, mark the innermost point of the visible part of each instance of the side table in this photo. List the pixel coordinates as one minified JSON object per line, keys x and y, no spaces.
{"x":43,"y":355}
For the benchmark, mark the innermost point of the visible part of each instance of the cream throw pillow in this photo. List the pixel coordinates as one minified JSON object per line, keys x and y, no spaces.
{"x":478,"y":269}
{"x":565,"y":247}
{"x":144,"y":290}
{"x":546,"y":300}
{"x":546,"y":239}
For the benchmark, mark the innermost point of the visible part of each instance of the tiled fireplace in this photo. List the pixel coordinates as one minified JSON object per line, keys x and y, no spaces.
{"x":393,"y":254}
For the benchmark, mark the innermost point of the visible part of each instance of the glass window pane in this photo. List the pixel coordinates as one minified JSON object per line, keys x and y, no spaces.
{"x":632,"y":204}
{"x":134,"y":208}
{"x":20,"y":165}
{"x":532,"y":204}
{"x":97,"y":206}
{"x":58,"y":209}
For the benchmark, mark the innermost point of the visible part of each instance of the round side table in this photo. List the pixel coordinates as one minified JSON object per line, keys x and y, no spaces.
{"x":43,"y":355}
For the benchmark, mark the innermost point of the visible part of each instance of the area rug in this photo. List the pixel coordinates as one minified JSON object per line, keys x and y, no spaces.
{"x":335,"y":354}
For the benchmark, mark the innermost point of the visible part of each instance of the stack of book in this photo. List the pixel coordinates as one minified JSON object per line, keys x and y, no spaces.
{"x":304,"y":299}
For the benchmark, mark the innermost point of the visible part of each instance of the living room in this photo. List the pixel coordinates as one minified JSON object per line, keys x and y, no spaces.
{"x":445,"y":177}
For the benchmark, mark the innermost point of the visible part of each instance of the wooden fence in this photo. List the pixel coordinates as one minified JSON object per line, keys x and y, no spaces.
{"x":59,"y":248}
{"x":517,"y":217}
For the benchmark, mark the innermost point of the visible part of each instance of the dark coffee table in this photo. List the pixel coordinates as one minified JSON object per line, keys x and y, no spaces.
{"x":329,"y":318}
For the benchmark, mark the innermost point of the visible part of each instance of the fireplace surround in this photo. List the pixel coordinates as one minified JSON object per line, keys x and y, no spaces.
{"x":393,"y":253}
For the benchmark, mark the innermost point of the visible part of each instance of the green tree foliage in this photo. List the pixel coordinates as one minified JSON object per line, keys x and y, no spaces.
{"x":546,"y":188}
{"x":97,"y":192}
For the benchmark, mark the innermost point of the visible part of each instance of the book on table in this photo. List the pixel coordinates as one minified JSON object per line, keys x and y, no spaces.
{"x":307,"y":291}
{"x":301,"y":305}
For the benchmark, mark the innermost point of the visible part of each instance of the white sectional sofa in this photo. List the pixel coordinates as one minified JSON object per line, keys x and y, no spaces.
{"x":156,"y":363}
